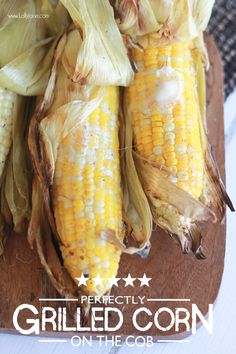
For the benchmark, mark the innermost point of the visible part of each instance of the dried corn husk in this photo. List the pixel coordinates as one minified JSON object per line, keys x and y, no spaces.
{"x":214,"y":194}
{"x":168,"y":20}
{"x":136,"y":18}
{"x":25,"y":63}
{"x":102,"y":57}
{"x":27,"y":47}
{"x":40,"y":234}
{"x":60,"y":112}
{"x":136,"y":208}
{"x":18,"y":170}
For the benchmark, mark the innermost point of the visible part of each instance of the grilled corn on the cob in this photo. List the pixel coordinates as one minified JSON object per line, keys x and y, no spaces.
{"x":79,"y":160}
{"x":87,"y":195}
{"x":164,"y":110}
{"x":165,"y":106}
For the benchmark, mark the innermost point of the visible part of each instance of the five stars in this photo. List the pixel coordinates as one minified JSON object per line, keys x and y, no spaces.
{"x":113,"y":281}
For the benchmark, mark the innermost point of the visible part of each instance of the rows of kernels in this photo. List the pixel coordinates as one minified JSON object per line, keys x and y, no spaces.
{"x":7,"y":101}
{"x":87,"y":195}
{"x":171,"y":139}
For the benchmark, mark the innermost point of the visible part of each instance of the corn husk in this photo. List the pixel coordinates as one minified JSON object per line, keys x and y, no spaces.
{"x":168,"y":20}
{"x":136,"y":18}
{"x":102,"y":57}
{"x":40,"y":235}
{"x":214,"y":194}
{"x":25,"y":63}
{"x":18,"y":171}
{"x":136,"y":208}
{"x":27,"y":48}
{"x":59,"y":113}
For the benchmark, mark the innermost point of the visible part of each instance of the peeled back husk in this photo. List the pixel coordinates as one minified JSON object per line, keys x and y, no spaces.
{"x":167,"y":20}
{"x":136,"y":208}
{"x":18,"y":170}
{"x":102,"y":57}
{"x":214,"y":194}
{"x":27,"y":48}
{"x":25,"y":62}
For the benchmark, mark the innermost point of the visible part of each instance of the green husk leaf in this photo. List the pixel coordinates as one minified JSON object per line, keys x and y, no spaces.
{"x":102,"y":58}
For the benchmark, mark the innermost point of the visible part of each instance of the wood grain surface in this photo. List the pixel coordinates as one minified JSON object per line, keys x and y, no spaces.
{"x":174,"y":276}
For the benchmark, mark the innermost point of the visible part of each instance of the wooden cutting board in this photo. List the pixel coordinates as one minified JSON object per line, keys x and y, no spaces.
{"x":174,"y":276}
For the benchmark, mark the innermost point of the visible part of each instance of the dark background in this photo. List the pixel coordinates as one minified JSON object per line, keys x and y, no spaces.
{"x":223,"y":28}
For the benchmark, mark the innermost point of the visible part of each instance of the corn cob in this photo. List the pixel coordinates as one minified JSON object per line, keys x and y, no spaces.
{"x":87,"y":195}
{"x":163,"y":106}
{"x":8,"y":100}
{"x":165,"y":117}
{"x":167,"y":131}
{"x":79,"y":160}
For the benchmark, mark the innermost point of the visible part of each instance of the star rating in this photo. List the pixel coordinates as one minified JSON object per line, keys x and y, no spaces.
{"x":129,"y":280}
{"x":113,"y":281}
{"x":98,"y":280}
{"x":82,"y":280}
{"x":144,"y":280}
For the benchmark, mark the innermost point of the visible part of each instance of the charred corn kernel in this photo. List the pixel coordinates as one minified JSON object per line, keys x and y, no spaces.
{"x":171,"y":101}
{"x":7,"y":107}
{"x":87,"y":196}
